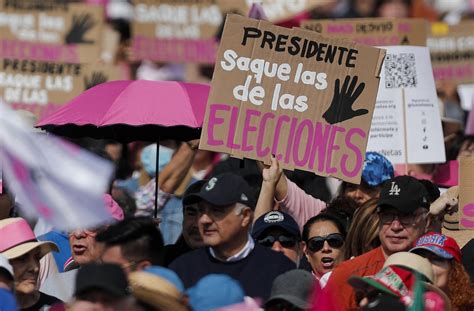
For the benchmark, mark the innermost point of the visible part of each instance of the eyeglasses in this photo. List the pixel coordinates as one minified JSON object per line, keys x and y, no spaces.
{"x":285,"y":241}
{"x":335,"y":240}
{"x":406,"y":219}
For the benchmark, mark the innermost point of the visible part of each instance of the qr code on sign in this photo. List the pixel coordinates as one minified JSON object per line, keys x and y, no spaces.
{"x":400,"y":71}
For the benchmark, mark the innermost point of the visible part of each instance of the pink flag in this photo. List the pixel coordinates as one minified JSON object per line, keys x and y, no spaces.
{"x":51,"y":178}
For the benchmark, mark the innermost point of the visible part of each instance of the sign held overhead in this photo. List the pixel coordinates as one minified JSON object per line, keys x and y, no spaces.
{"x":292,"y":93}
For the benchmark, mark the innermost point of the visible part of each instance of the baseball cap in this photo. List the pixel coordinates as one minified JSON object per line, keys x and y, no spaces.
{"x":223,"y":190}
{"x":295,"y":287}
{"x":404,"y":193}
{"x":108,"y":277}
{"x":275,"y":219}
{"x":438,"y":244}
{"x":215,"y":291}
{"x":377,"y":169}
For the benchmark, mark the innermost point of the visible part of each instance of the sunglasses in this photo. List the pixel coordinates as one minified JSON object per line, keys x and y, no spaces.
{"x":285,"y":241}
{"x":335,"y":240}
{"x":405,"y":219}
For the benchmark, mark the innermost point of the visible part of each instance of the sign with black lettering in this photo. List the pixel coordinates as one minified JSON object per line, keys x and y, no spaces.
{"x":293,"y":93}
{"x":406,"y":125}
{"x":187,"y":30}
{"x":41,"y":87}
{"x":373,"y":31}
{"x":452,"y":52}
{"x":51,"y":31}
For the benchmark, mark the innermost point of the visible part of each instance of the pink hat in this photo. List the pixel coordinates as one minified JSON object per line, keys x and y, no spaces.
{"x":112,"y":206}
{"x":17,"y":239}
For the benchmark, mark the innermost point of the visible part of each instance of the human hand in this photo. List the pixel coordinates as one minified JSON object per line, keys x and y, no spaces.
{"x":81,"y":24}
{"x":272,"y":174}
{"x":343,"y":100}
{"x":446,"y":203}
{"x":95,"y":79}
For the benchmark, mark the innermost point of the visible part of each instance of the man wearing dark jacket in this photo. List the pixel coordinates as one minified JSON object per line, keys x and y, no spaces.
{"x":225,"y":212}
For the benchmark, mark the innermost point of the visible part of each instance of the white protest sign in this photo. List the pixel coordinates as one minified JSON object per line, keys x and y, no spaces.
{"x":466,"y":93}
{"x":406,"y":125}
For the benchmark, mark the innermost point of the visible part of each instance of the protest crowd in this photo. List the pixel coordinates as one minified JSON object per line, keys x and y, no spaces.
{"x":330,"y":165}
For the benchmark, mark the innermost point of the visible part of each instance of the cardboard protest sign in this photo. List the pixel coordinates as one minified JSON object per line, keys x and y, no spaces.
{"x":406,"y":126}
{"x":176,"y":30}
{"x":373,"y":31}
{"x":275,"y":10}
{"x":47,"y":31}
{"x":40,"y":87}
{"x":293,"y":93}
{"x":466,"y":192}
{"x":187,"y":30}
{"x":452,"y":52}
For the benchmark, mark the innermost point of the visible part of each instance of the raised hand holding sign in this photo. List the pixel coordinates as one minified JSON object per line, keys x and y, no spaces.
{"x":342,"y":101}
{"x":81,"y":24}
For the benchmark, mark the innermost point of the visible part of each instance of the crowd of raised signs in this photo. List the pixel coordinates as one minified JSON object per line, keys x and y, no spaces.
{"x":236,"y":234}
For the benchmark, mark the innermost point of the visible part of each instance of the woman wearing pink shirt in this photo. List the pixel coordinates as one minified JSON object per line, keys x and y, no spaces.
{"x":302,"y":206}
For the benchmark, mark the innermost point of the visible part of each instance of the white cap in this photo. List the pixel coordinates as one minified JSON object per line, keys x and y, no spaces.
{"x":6,"y":265}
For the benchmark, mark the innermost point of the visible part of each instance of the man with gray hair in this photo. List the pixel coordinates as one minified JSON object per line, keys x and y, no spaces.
{"x":225,"y":213}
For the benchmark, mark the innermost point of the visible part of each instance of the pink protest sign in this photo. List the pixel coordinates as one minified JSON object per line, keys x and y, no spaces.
{"x":373,"y":31}
{"x":293,"y":93}
{"x":452,"y":52}
{"x":176,"y":31}
{"x":466,"y":193}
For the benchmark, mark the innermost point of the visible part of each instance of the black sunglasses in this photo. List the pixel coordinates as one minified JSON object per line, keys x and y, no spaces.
{"x":285,"y":241}
{"x":335,"y":240}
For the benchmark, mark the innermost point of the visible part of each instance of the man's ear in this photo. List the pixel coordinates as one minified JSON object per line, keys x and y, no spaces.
{"x":247,"y":215}
{"x":301,"y":247}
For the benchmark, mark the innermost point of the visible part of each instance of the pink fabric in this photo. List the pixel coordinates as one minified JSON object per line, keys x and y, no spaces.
{"x":135,"y":103}
{"x":112,"y":206}
{"x":447,"y":174}
{"x":469,"y":130}
{"x":300,"y":205}
{"x":14,"y":234}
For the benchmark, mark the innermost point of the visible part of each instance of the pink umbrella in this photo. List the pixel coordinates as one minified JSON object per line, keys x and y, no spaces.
{"x":133,"y":110}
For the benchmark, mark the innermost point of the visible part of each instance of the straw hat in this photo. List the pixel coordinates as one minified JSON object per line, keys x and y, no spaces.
{"x":17,"y":239}
{"x":155,"y":291}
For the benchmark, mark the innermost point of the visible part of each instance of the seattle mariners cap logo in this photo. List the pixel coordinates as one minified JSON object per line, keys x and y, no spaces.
{"x":211,"y":184}
{"x":243,"y":197}
{"x":274,"y":217}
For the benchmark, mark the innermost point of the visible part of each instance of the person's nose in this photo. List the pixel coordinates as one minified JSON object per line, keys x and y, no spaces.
{"x":326,"y":248}
{"x":204,"y":218}
{"x":277,"y":246}
{"x":79,"y":233}
{"x":33,"y":264}
{"x":396,"y":225}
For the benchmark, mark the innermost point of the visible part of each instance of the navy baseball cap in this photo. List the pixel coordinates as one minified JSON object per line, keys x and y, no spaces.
{"x":223,"y":190}
{"x":404,"y":193}
{"x":275,"y":219}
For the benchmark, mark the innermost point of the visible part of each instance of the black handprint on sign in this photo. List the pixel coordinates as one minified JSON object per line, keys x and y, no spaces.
{"x":96,"y":78}
{"x":81,"y":24}
{"x":342,"y":101}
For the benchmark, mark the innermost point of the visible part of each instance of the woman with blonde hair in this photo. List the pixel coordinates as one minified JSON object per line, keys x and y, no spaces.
{"x":362,"y":235}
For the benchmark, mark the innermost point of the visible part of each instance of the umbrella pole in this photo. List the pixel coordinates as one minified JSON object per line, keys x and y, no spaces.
{"x":156,"y":176}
